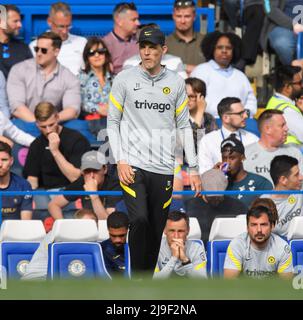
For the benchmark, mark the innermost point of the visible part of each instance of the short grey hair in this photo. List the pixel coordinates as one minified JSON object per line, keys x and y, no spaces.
{"x":60,"y":7}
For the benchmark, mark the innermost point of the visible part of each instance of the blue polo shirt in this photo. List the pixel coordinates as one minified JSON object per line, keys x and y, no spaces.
{"x":13,"y":205}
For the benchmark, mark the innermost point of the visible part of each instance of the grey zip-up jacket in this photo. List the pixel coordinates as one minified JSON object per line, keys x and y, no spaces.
{"x":168,"y":265}
{"x":144,"y":113}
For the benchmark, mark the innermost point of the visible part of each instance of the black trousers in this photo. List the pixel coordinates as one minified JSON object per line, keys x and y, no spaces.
{"x":147,"y":201}
{"x":253,"y":19}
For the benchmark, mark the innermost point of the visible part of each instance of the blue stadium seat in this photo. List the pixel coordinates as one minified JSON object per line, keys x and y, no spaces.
{"x":75,"y":260}
{"x":94,"y":17}
{"x":297,"y":251}
{"x":15,"y":256}
{"x":300,"y":46}
{"x":78,"y":125}
{"x":216,"y":252}
{"x":127,"y":272}
{"x":74,"y":252}
{"x":223,"y":230}
{"x":251,"y":125}
{"x":19,"y":241}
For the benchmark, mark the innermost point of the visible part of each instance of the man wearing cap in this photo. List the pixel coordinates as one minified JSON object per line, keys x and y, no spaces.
{"x":94,"y":178}
{"x":184,"y":42}
{"x":233,"y":155}
{"x":206,"y":209}
{"x":147,"y":104}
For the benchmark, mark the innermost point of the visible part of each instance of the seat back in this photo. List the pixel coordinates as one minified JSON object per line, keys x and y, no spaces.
{"x":194,"y":229}
{"x":295,"y":230}
{"x":223,"y":230}
{"x":102,"y":230}
{"x":227,"y":228}
{"x":297,"y":251}
{"x":19,"y":241}
{"x":73,"y":252}
{"x":216,"y":252}
{"x":76,"y":260}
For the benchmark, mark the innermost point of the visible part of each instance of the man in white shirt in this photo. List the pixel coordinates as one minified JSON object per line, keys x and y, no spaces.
{"x":233,"y":116}
{"x":273,"y":130}
{"x":60,"y":22}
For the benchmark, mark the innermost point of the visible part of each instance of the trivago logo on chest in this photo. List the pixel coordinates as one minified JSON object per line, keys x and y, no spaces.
{"x":160,"y":107}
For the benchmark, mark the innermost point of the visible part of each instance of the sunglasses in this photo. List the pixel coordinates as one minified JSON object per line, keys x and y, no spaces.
{"x":181,"y":3}
{"x":43,"y":50}
{"x":91,"y":53}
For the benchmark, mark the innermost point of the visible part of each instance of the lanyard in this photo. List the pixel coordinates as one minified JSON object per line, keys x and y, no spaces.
{"x":223,"y":138}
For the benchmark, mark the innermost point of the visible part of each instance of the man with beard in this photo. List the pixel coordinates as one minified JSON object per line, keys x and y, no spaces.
{"x":233,"y":155}
{"x":210,"y":206}
{"x":17,"y":207}
{"x":288,"y":87}
{"x":258,"y":252}
{"x":113,"y":248}
{"x":13,"y":50}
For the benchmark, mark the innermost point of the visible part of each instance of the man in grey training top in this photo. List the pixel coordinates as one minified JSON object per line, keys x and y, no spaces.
{"x":286,"y":175}
{"x":147,"y":104}
{"x":258,"y":253}
{"x":177,"y":254}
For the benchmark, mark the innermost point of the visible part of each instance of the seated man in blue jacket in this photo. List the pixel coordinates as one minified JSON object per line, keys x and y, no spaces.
{"x":113,"y":248}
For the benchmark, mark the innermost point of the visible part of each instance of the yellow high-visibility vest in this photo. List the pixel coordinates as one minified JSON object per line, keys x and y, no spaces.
{"x":279,"y":104}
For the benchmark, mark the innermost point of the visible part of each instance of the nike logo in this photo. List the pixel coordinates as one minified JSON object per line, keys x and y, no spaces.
{"x":167,"y":188}
{"x":136,"y":89}
{"x":116,"y":257}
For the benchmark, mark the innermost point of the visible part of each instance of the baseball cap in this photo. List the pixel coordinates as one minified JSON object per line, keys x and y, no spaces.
{"x":214,"y":180}
{"x":92,"y":160}
{"x":234,"y":144}
{"x":152,"y":35}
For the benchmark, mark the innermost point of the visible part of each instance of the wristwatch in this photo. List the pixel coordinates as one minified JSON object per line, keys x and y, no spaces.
{"x":186,"y":263}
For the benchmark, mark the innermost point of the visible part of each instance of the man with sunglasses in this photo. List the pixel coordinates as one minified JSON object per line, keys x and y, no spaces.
{"x":184,"y":42}
{"x":148,"y":103}
{"x":122,"y":41}
{"x":288,"y":84}
{"x":233,"y":117}
{"x":60,"y":22}
{"x":13,"y":50}
{"x":43,"y":79}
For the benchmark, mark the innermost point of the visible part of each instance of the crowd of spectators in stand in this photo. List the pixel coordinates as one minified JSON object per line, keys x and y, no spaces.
{"x":61,"y":77}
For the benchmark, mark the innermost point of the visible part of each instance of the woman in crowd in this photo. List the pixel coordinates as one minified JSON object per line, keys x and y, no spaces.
{"x":201,"y":122}
{"x":95,"y":82}
{"x":222,"y":80}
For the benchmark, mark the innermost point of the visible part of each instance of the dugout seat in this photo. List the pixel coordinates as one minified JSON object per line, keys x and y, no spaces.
{"x":295,"y":238}
{"x":74,"y":252}
{"x":19,"y":239}
{"x":223,"y":230}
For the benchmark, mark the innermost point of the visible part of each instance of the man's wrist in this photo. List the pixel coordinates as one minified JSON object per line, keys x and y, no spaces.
{"x":185,"y":261}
